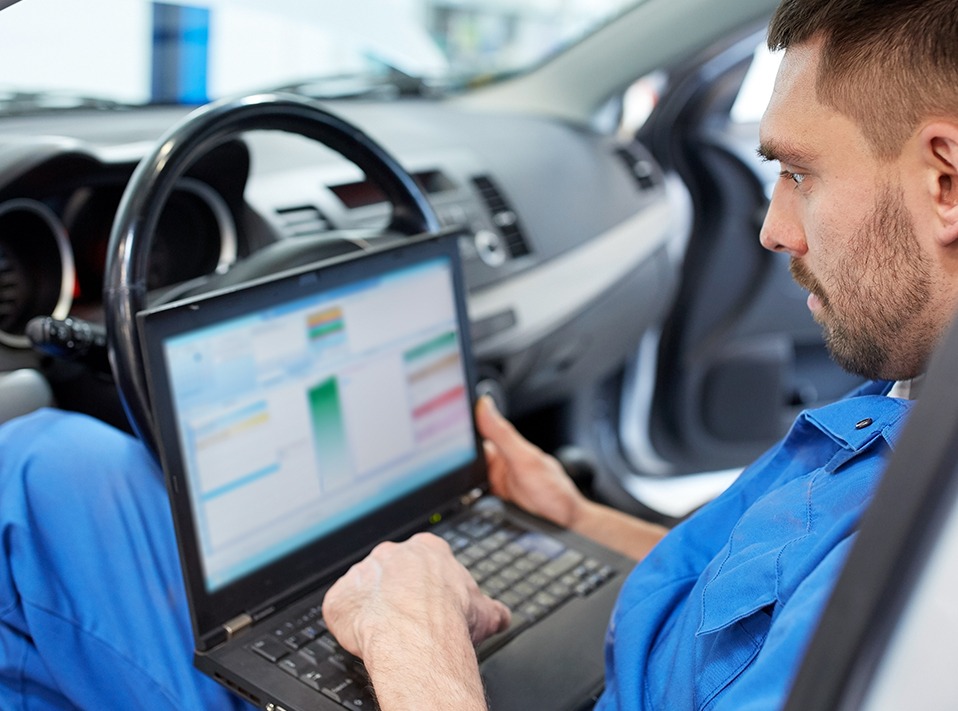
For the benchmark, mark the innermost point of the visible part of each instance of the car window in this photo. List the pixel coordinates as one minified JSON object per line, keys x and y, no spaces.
{"x":756,"y":88}
{"x":168,"y":52}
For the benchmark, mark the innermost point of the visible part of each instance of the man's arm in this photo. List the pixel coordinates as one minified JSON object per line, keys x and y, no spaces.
{"x":522,"y":473}
{"x":413,"y":614}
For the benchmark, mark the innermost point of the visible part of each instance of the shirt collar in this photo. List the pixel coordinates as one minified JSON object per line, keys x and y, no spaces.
{"x":907,"y":389}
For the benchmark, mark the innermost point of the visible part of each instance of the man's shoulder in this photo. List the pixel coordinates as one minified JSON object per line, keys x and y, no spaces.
{"x":855,"y":421}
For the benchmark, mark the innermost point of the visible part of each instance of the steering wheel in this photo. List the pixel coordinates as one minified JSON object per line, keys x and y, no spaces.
{"x":127,"y":267}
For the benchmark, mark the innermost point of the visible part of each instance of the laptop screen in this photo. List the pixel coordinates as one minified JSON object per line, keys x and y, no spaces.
{"x":299,"y":418}
{"x":302,"y":418}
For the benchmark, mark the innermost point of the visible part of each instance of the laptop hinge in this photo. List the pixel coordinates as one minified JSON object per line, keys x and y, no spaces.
{"x":236,"y":625}
{"x":468,"y":499}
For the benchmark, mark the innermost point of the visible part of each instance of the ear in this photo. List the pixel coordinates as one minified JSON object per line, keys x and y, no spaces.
{"x":939,"y":143}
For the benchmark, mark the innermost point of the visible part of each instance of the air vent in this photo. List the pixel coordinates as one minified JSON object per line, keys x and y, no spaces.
{"x":503,"y":216}
{"x":642,"y":169}
{"x":10,"y":288}
{"x":302,"y":221}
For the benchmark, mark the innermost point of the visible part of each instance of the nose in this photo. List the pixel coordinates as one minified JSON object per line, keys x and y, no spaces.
{"x":782,"y":231}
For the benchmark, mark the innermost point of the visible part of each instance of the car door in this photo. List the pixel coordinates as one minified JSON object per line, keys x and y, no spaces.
{"x":738,"y":355}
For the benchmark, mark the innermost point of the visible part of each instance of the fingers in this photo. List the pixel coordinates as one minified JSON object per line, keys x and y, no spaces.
{"x":492,"y":425}
{"x":342,"y":604}
{"x":491,"y":616}
{"x":484,"y":615}
{"x":415,"y":582}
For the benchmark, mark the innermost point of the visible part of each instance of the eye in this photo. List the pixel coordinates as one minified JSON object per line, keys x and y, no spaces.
{"x":797,"y":178}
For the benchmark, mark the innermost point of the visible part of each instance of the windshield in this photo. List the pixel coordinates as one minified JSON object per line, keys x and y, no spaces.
{"x":58,"y":54}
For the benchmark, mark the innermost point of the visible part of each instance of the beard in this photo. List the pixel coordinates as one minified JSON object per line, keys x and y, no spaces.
{"x":875,"y":295}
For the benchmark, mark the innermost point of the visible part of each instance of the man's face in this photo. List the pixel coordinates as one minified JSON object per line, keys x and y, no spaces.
{"x":842,"y":217}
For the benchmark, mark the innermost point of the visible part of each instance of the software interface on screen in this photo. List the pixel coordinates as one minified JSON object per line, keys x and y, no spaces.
{"x":298,"y":419}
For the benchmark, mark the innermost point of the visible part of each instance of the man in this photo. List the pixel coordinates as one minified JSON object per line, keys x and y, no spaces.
{"x":864,"y":123}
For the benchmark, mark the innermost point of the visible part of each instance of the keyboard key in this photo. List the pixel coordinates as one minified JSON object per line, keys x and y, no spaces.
{"x":514,"y":549}
{"x":532,"y":611}
{"x":357,"y":696}
{"x":524,"y":589}
{"x":511,"y":574}
{"x":539,"y":580}
{"x":301,"y":638}
{"x":545,"y":601}
{"x":502,"y":537}
{"x":538,"y":543}
{"x":475,"y":552}
{"x":328,"y":643}
{"x":526,"y":565}
{"x":322,"y":674}
{"x":269,"y":648}
{"x":339,"y":661}
{"x":511,"y":599}
{"x":465,"y":558}
{"x":312,"y":631}
{"x":317,"y":651}
{"x":483,"y":568}
{"x":476,"y":528}
{"x":494,"y":585}
{"x":296,"y":664}
{"x":560,"y":591}
{"x":583,"y":588}
{"x":312,"y":678}
{"x":563,"y":564}
{"x":489,"y":545}
{"x":343,"y":688}
{"x":457,"y":542}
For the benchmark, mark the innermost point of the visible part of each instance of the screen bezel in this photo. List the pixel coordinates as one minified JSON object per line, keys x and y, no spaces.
{"x":313,"y":564}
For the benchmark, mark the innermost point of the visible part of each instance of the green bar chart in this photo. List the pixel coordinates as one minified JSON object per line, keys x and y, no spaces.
{"x":329,"y":434}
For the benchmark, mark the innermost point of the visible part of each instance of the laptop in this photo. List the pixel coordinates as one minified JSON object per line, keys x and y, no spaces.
{"x":302,"y":419}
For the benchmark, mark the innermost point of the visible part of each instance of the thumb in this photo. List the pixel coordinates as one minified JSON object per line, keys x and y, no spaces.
{"x":494,"y":617}
{"x":497,"y":429}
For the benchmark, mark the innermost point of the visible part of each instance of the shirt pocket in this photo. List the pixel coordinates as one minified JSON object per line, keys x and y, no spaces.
{"x":737,"y":606}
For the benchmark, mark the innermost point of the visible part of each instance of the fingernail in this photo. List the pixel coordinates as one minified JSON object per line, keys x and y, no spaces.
{"x":490,"y":403}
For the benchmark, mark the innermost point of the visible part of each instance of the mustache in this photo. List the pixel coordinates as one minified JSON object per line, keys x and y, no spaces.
{"x":805,"y":279}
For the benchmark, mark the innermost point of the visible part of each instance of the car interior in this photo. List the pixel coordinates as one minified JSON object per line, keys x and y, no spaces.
{"x":623,"y":312}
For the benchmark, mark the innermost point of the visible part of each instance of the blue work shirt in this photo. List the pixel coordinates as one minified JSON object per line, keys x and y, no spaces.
{"x":719,"y":613}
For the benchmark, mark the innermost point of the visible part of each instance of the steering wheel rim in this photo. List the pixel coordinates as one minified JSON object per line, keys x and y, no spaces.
{"x":127,"y":266}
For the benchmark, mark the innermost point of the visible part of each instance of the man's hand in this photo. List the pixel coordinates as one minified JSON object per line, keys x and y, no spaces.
{"x":413,"y":613}
{"x":418,"y":582}
{"x":522,"y":473}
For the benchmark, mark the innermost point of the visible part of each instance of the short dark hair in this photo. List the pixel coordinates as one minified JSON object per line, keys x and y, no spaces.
{"x":886,"y":64}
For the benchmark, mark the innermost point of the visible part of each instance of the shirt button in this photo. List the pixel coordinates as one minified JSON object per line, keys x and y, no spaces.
{"x":862,"y":424}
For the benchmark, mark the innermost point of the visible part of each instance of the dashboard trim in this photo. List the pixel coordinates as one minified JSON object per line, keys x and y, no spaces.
{"x":543,"y":299}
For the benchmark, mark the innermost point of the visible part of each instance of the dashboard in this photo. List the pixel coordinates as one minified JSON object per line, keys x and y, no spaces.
{"x":573,"y":247}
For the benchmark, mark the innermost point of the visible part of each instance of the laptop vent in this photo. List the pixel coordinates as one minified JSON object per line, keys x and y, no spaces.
{"x":302,"y":221}
{"x":503,"y":216}
{"x":640,"y":168}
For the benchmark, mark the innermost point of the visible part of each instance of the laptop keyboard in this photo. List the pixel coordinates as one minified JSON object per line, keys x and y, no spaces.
{"x":305,"y":649}
{"x":531,"y":572}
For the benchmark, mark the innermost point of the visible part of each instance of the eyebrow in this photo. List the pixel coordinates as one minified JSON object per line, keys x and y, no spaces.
{"x":784,"y":153}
